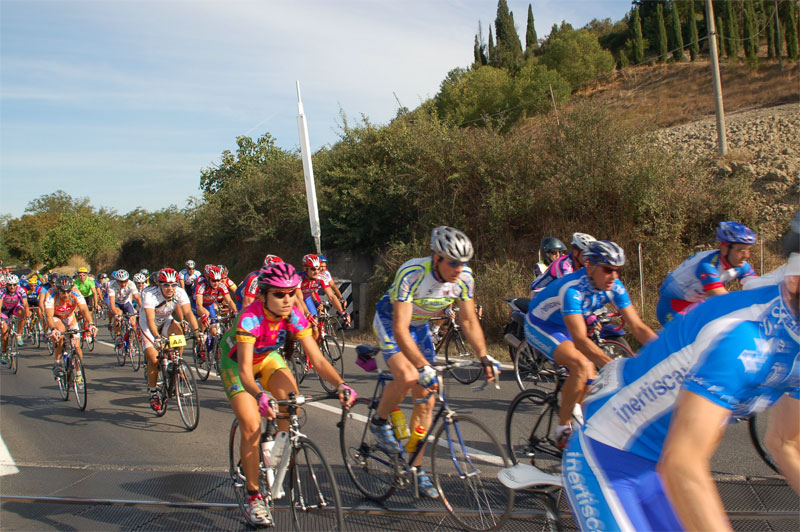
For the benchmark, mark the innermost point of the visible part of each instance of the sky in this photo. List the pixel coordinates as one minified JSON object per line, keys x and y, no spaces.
{"x":126,"y":101}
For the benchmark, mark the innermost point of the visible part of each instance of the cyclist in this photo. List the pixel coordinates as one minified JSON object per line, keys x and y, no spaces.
{"x":653,"y":422}
{"x":227,"y":281}
{"x":422,"y":288}
{"x":140,"y":281}
{"x":556,"y":322}
{"x":311,"y":284}
{"x":209,"y":289}
{"x":60,"y":305}
{"x":121,"y":294}
{"x":326,"y":276}
{"x":248,"y":289}
{"x":13,"y":303}
{"x":87,"y":287}
{"x":549,"y":250}
{"x":705,"y":274}
{"x":159,"y":302}
{"x":189,"y":276}
{"x":146,"y":274}
{"x":564,"y":264}
{"x":252,"y":352}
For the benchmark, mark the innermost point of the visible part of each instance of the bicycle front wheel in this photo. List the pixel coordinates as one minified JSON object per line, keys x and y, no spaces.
{"x":79,"y":382}
{"x":13,"y":355}
{"x":334,"y":327}
{"x":330,"y":350}
{"x":466,"y":458}
{"x":201,"y":362}
{"x":616,"y":348}
{"x":758,"y":429}
{"x":62,"y":379}
{"x":531,"y":420}
{"x":372,"y":469}
{"x":299,"y":363}
{"x":186,"y":394}
{"x":119,"y":350}
{"x":313,"y":492}
{"x":457,"y":350}
{"x":135,"y":352}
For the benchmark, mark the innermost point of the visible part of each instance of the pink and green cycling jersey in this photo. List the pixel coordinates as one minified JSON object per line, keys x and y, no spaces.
{"x":255,"y":325}
{"x":12,"y":300}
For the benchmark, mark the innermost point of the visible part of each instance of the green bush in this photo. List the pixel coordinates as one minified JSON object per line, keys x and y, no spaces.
{"x":578,"y":56}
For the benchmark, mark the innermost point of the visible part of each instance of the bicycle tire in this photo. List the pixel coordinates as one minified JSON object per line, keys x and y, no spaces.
{"x":90,"y":342}
{"x":119,"y":350}
{"x":215,"y":357}
{"x":79,"y":382}
{"x":314,"y":495}
{"x":51,"y":345}
{"x":330,"y":350}
{"x":334,"y":328}
{"x":465,"y":460}
{"x":299,"y":364}
{"x":531,"y":419}
{"x":757,"y":426}
{"x":201,"y":364}
{"x":37,"y":334}
{"x":238,"y":480}
{"x":63,"y":381}
{"x":456,"y":350}
{"x":135,"y":353}
{"x":187,"y":396}
{"x":372,"y":469}
{"x":533,"y":369}
{"x":161,"y":389}
{"x":618,"y":348}
{"x":13,"y":356}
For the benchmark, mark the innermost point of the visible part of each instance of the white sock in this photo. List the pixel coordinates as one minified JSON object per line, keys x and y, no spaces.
{"x":560,"y":429}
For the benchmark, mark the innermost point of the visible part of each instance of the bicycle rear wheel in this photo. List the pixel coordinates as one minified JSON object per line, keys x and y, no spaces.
{"x":457,"y":350}
{"x":79,"y":382}
{"x":533,"y":369}
{"x":201,"y":362}
{"x":616,"y":348}
{"x":531,"y":420}
{"x":330,"y":350}
{"x":466,"y":458}
{"x":236,"y":472}
{"x":757,"y":425}
{"x":313,"y":492}
{"x":372,"y":469}
{"x":186,"y":394}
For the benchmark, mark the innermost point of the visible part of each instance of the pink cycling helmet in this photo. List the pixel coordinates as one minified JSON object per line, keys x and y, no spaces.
{"x":278,"y":275}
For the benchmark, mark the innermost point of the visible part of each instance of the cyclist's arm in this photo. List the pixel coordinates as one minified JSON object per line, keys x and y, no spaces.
{"x":471,"y":325}
{"x":25,"y":306}
{"x":150,"y":313}
{"x":576,"y":325}
{"x":335,"y":288}
{"x":112,"y":304}
{"x":300,"y":303}
{"x":336,"y":303}
{"x":685,"y":465}
{"x":186,"y":310}
{"x":229,"y":301}
{"x":320,"y":363}
{"x":138,"y":299}
{"x":201,"y":309}
{"x":49,"y":314}
{"x":783,"y":439}
{"x":401,"y":324}
{"x":639,"y":329}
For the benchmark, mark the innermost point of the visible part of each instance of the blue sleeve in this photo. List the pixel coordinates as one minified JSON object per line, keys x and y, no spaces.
{"x":572,"y":302}
{"x":619,"y":295}
{"x":746,"y":270}
{"x":708,"y":272}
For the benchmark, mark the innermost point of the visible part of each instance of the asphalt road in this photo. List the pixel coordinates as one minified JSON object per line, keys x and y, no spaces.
{"x":117,"y":449}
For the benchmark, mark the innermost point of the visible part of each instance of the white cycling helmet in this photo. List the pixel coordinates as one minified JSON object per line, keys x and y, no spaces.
{"x":121,"y":275}
{"x":12,"y":279}
{"x":139,"y":278}
{"x":582,"y":240}
{"x":190,"y":264}
{"x":451,"y":243}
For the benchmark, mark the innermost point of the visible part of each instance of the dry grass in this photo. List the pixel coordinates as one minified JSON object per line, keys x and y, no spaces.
{"x":671,"y":94}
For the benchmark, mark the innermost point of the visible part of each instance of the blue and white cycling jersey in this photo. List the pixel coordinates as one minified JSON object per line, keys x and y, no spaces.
{"x":700,"y":273}
{"x":188,"y":279}
{"x":574,"y":294}
{"x":739,"y":351}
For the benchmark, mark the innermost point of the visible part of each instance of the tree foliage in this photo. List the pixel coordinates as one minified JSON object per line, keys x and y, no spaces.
{"x":577,"y":56}
{"x":662,"y":34}
{"x":694,"y":44}
{"x":531,"y":40}
{"x":676,"y":41}
{"x":636,"y":38}
{"x":508,"y":48}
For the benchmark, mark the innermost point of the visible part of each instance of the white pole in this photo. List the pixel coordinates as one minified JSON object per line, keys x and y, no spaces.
{"x":712,"y":50}
{"x":641,"y":278}
{"x":308,"y":173}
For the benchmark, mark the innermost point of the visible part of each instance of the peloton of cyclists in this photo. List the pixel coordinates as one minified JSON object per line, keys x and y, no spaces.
{"x":563,"y":264}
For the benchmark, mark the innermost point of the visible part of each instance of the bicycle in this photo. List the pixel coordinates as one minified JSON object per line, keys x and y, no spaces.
{"x":86,"y":338}
{"x":130,"y":345}
{"x":330,"y":348}
{"x":456,"y":348}
{"x":33,"y":329}
{"x":334,"y":326}
{"x":71,"y":372}
{"x":202,"y":362}
{"x":12,"y":353}
{"x":544,"y":486}
{"x":465,"y":459}
{"x":176,"y":380}
{"x":757,"y":427}
{"x":313,"y":491}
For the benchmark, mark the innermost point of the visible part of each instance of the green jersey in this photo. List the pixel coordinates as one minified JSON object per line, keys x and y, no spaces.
{"x":85,"y":287}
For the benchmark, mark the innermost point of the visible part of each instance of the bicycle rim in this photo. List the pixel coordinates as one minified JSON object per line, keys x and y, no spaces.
{"x":372,"y":470}
{"x":90,"y":342}
{"x":313,"y":492}
{"x":238,"y":480}
{"x":330,"y":350}
{"x":456,"y":350}
{"x":466,"y":458}
{"x":616,"y":349}
{"x":530,"y":422}
{"x":63,"y":382}
{"x":299,"y":364}
{"x":136,"y":353}
{"x":79,"y":382}
{"x":120,"y":352}
{"x":13,"y":356}
{"x":201,"y":360}
{"x":187,"y":397}
{"x":757,"y":426}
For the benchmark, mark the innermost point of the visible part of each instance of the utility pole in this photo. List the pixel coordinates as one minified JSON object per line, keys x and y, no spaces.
{"x":712,"y":48}
{"x":778,"y":35}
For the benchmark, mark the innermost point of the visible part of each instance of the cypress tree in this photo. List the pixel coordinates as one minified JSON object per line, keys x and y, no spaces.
{"x":722,"y":42}
{"x":677,"y":35}
{"x":492,"y":54}
{"x":476,"y":52}
{"x":508,"y":46}
{"x":770,"y":35}
{"x":694,"y":45}
{"x":789,"y":20}
{"x":750,"y":34}
{"x":662,"y":35}
{"x":638,"y":41}
{"x":531,"y":41}
{"x":732,"y":31}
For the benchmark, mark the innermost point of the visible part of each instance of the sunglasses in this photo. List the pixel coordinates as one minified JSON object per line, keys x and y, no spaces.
{"x":608,"y":270}
{"x":454,"y":263}
{"x":170,"y":285}
{"x":280,"y":295}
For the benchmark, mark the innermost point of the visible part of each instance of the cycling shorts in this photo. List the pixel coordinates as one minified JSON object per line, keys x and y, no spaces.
{"x":16,"y":310}
{"x":383,"y":329}
{"x":127,"y":308}
{"x":264,"y":370}
{"x":33,"y":301}
{"x":668,"y":308}
{"x":311,"y":305}
{"x":147,"y":337}
{"x":212,"y":311}
{"x":545,"y":336}
{"x":611,"y":489}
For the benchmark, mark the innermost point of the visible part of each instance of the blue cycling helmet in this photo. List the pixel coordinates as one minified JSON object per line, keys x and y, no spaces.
{"x":322,"y":258}
{"x":735,"y":233}
{"x":605,"y":252}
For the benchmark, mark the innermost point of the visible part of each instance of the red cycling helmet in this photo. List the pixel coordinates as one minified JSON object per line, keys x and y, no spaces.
{"x":271,"y":259}
{"x":311,"y":261}
{"x":213,"y":273}
{"x":278,"y":275}
{"x":167,"y":275}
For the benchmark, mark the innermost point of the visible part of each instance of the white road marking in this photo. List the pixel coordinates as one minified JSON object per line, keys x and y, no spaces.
{"x":7,"y":464}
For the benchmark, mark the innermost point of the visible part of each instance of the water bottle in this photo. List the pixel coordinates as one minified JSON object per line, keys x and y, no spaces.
{"x":279,"y":444}
{"x":268,"y":444}
{"x":416,"y":437}
{"x":65,"y":358}
{"x":399,"y":424}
